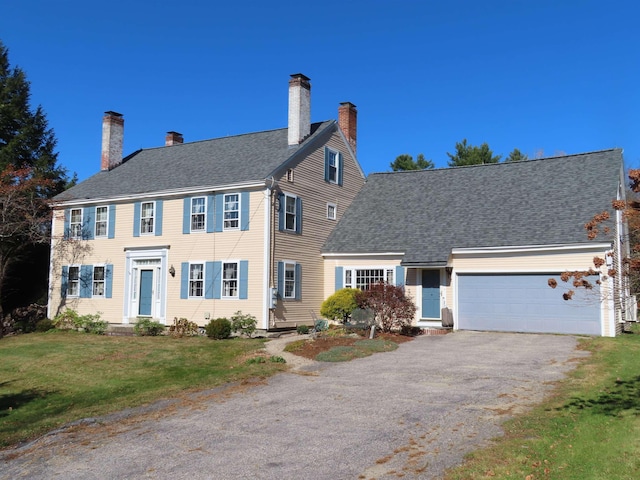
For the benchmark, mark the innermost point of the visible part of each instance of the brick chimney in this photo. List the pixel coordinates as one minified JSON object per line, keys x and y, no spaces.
{"x":173,"y":138}
{"x":112,"y":136}
{"x":299,"y":108}
{"x":348,"y":122}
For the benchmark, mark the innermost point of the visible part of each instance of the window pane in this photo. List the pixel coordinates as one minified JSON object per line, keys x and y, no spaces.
{"x":101,"y":221}
{"x":73,"y":287}
{"x":146,"y":225}
{"x":197,"y":213}
{"x":196,"y":275}
{"x":289,"y":280}
{"x":230,"y":280}
{"x":290,"y":213}
{"x":231,"y":211}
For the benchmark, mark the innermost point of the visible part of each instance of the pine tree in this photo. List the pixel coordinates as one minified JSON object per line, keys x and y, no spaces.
{"x":471,"y":155}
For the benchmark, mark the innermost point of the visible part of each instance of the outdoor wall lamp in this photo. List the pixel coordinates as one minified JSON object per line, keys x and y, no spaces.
{"x":172,"y":271}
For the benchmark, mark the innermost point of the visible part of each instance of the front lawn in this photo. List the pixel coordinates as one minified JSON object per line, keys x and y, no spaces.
{"x":589,"y":428}
{"x":50,"y":379}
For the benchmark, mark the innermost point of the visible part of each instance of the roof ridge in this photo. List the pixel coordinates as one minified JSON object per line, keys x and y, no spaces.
{"x":480,"y":165}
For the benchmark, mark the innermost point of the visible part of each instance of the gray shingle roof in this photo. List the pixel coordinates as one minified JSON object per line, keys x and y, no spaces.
{"x":208,"y":163}
{"x":427,"y":213}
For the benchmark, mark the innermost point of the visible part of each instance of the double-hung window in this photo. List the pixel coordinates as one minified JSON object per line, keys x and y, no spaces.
{"x":198,"y":214}
{"x":232,"y":211}
{"x":289,"y":280}
{"x":196,"y":280}
{"x":290,"y":213}
{"x":98,"y":281}
{"x":73,"y":283}
{"x":332,"y":166}
{"x":102,"y":221}
{"x":147,"y":217}
{"x":230,"y":280}
{"x":331,"y":211}
{"x":75,"y":224}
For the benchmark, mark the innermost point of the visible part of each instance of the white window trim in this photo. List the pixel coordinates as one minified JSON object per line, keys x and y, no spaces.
{"x":104,"y":280}
{"x":337,"y":166}
{"x":290,"y":175}
{"x":295,"y":212}
{"x":204,"y":279}
{"x":237,"y":295}
{"x":353,"y":269}
{"x":69,"y":267}
{"x":284,"y":280}
{"x":106,"y":223}
{"x":153,"y":217}
{"x":75,"y":234}
{"x":191,"y":215}
{"x":335,"y":211}
{"x":224,"y":211}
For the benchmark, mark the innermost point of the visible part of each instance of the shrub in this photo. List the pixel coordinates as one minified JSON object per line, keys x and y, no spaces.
{"x":93,"y":324}
{"x":245,"y":324}
{"x":277,"y":359}
{"x":67,"y":320}
{"x":392,"y":308}
{"x":218,"y":329}
{"x":340,"y":304}
{"x":183,"y":328}
{"x":25,"y":319}
{"x":302,"y":329}
{"x":254,"y":360}
{"x":145,"y":327}
{"x":44,"y":325}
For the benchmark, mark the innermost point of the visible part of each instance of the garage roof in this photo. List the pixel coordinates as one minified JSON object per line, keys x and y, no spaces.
{"x":427,"y":213}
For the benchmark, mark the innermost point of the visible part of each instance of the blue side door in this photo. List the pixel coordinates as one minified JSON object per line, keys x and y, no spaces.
{"x":146,"y":292}
{"x":430,"y":294}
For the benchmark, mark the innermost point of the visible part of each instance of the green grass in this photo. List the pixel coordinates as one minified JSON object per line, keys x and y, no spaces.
{"x":50,"y":379}
{"x":361,"y":348}
{"x":588,"y":429}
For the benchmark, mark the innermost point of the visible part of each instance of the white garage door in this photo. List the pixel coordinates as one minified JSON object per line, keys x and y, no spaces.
{"x":525,"y":303}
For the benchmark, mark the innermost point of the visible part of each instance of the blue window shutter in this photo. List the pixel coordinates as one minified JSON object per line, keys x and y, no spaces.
{"x":217,"y":280}
{"x":340,"y":168}
{"x":298,"y":292}
{"x":108,"y":281}
{"x":112,"y":222}
{"x":86,"y":281}
{"x":208,"y":280}
{"x":281,"y":208}
{"x":298,"y":215}
{"x":67,"y":216}
{"x":339,"y":275}
{"x":244,"y":211}
{"x":326,"y":164}
{"x":186,"y":216}
{"x":158,"y":220}
{"x":219,"y":211}
{"x":88,"y":223}
{"x":399,"y":275}
{"x":65,"y":282}
{"x":243,"y":289}
{"x":210,"y":217}
{"x":136,"y":219}
{"x":184,"y":280}
{"x":281,"y":279}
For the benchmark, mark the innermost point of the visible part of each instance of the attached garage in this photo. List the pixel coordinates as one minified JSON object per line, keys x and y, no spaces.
{"x":525,"y":303}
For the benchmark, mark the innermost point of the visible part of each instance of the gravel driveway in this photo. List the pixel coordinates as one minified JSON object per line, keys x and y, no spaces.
{"x":414,"y":411}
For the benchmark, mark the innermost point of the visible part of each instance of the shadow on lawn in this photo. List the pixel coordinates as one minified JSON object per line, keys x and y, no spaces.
{"x":623,"y":395}
{"x":13,"y":401}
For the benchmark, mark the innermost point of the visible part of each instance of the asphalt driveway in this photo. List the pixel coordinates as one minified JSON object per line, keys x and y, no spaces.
{"x":414,"y":411}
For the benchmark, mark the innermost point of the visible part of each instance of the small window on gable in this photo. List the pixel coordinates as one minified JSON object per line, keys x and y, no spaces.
{"x":331,"y":211}
{"x":290,"y":175}
{"x":102,"y":219}
{"x":75,"y":224}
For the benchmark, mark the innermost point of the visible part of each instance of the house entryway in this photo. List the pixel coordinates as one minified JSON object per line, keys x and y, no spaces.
{"x":145,"y":284}
{"x":430,"y":294}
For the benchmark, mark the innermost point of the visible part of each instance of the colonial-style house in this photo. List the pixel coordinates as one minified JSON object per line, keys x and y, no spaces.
{"x":483,"y":243}
{"x":201,"y":230}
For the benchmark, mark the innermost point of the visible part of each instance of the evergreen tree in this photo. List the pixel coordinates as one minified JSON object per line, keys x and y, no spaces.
{"x":405,"y":162}
{"x":25,"y":137}
{"x":471,"y":155}
{"x":516,"y":156}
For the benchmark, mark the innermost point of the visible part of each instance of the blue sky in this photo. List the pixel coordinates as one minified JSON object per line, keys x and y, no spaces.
{"x":542,"y":76}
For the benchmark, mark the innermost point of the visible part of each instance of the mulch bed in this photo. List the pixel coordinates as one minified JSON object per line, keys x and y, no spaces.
{"x":311,"y":348}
